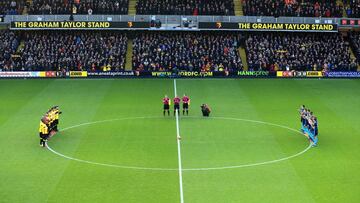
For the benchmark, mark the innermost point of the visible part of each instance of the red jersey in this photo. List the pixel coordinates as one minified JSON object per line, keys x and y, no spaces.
{"x":166,"y":100}
{"x":177,"y":100}
{"x":186,"y":99}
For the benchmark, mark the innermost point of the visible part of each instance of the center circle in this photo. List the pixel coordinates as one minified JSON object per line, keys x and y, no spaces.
{"x":229,"y":142}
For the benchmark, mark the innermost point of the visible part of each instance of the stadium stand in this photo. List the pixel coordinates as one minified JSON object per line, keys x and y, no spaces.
{"x":355,"y":44}
{"x":185,"y":7}
{"x":353,"y":8}
{"x":282,"y":51}
{"x":93,"y":51}
{"x":304,"y":8}
{"x":9,"y":43}
{"x":11,"y":7}
{"x":116,"y":7}
{"x":186,"y":51}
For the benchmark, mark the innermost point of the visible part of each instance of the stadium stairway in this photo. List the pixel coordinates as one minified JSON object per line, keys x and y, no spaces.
{"x":132,"y":7}
{"x":352,"y":56}
{"x":238,"y":8}
{"x":242,"y":53}
{"x":129,"y":52}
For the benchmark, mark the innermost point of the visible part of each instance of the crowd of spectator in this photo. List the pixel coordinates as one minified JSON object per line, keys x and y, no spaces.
{"x":185,"y":7}
{"x":11,"y":7}
{"x":116,"y":7}
{"x":298,"y":8}
{"x":9,"y":43}
{"x":92,"y":51}
{"x":353,"y":8}
{"x":176,"y":51}
{"x":280,"y":51}
{"x":186,"y":51}
{"x":8,"y":46}
{"x":355,"y":43}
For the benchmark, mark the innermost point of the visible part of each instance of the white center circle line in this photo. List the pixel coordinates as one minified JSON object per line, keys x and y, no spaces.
{"x":183,"y":169}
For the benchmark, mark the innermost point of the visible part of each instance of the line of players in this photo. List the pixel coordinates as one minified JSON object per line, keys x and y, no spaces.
{"x":309,"y":125}
{"x":49,"y":125}
{"x":167,"y":103}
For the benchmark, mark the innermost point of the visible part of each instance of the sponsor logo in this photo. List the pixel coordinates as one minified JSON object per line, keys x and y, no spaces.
{"x":78,"y":74}
{"x":253,"y":73}
{"x":314,"y":74}
{"x":18,"y":74}
{"x":112,"y":74}
{"x":343,"y":74}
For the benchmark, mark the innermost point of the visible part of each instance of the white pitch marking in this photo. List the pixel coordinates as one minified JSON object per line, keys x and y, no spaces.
{"x":179,"y":149}
{"x":184,"y":169}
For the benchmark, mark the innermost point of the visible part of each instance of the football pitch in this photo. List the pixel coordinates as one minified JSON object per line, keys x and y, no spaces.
{"x":115,"y":145}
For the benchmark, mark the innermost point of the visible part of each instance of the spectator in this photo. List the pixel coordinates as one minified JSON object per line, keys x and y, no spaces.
{"x":111,"y":7}
{"x":185,"y":7}
{"x":303,"y":8}
{"x":9,"y":43}
{"x":301,"y":51}
{"x":74,"y":51}
{"x":354,"y":9}
{"x":186,"y":51}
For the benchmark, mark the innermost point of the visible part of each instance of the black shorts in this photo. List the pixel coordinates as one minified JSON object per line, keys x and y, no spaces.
{"x":177,"y":106}
{"x":44,"y":136}
{"x":166,"y":106}
{"x":185,"y":105}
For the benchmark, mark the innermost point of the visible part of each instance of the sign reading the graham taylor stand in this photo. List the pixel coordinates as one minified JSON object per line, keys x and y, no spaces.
{"x":299,"y":27}
{"x":77,"y":25}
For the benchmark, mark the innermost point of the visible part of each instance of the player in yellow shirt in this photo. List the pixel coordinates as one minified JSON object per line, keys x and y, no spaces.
{"x":57,"y":113}
{"x":43,"y":131}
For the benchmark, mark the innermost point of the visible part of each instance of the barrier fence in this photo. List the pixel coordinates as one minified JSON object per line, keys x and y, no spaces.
{"x":179,"y":74}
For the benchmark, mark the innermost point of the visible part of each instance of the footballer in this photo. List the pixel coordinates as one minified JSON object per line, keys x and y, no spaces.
{"x":177,"y":101}
{"x":186,"y":103}
{"x":167,"y":102}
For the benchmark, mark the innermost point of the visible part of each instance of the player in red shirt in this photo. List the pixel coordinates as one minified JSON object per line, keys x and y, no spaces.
{"x":166,"y":101}
{"x":177,"y":101}
{"x":186,"y":103}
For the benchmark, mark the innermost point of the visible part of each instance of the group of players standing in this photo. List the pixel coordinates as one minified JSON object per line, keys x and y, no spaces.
{"x":167,"y":102}
{"x":49,"y":124}
{"x":309,"y":125}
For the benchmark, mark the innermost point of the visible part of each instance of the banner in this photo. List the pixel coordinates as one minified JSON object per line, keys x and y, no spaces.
{"x":269,"y":26}
{"x":350,"y":22}
{"x":1,"y":18}
{"x":253,"y":73}
{"x":18,"y":74}
{"x":343,"y":74}
{"x":289,"y":74}
{"x":113,"y":74}
{"x":189,"y":74}
{"x":316,"y":74}
{"x":77,"y":25}
{"x":78,"y":74}
{"x":48,"y":74}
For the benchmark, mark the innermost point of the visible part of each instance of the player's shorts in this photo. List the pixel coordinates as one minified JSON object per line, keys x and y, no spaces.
{"x":166,"y":106}
{"x":177,"y":106}
{"x":44,"y":136}
{"x":185,"y":105}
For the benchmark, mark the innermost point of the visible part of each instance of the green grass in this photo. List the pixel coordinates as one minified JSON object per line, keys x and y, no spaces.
{"x":328,"y":173}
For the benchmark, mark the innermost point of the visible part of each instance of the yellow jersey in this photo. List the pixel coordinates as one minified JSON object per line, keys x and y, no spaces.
{"x":56,"y":114}
{"x":43,"y":128}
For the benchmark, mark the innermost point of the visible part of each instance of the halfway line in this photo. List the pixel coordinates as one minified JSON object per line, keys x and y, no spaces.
{"x":178,"y":147}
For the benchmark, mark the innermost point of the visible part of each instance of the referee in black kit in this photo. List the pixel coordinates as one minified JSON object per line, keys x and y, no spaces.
{"x":205,"y":109}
